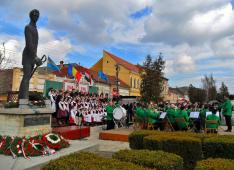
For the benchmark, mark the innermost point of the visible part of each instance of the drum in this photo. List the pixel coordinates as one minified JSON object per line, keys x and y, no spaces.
{"x":119,"y":113}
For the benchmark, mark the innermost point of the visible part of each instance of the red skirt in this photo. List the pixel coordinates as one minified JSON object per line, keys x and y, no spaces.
{"x":62,"y":113}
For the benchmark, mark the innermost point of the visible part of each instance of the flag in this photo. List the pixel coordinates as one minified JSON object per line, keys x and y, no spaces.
{"x":69,"y":70}
{"x":102,"y":76}
{"x":76,"y":74}
{"x":88,"y":77}
{"x":51,"y":65}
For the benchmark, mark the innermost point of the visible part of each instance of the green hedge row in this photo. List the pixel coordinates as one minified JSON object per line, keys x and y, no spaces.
{"x":215,"y":164}
{"x":89,"y":161}
{"x":136,"y":138}
{"x":152,"y":159}
{"x":219,"y":147}
{"x":189,"y":148}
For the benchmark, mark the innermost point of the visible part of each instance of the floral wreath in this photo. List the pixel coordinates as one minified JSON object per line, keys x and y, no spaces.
{"x":52,"y":138}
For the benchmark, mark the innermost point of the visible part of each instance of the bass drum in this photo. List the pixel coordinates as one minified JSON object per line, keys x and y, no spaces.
{"x":119,"y":113}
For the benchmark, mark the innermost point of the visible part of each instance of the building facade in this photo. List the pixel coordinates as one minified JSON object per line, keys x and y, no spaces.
{"x":128,"y":73}
{"x":11,"y":79}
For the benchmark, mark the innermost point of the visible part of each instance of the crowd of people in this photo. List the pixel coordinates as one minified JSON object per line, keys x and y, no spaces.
{"x":93,"y":109}
{"x":180,"y":116}
{"x":77,"y":107}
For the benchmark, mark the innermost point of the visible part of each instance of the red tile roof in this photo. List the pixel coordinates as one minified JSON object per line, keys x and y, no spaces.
{"x":122,"y":62}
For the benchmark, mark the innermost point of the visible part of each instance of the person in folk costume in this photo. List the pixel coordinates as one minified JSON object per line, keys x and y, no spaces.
{"x":82,"y":111}
{"x":67,"y":108}
{"x":99,"y":116}
{"x":79,"y":117}
{"x":72,"y":117}
{"x":94,"y":115}
{"x":88,"y":118}
{"x":62,"y":113}
{"x":52,"y":96}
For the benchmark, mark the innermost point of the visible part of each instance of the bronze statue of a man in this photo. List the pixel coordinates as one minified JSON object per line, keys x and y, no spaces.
{"x":29,"y":54}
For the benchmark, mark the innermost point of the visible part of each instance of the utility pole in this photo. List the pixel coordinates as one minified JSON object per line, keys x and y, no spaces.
{"x":117,"y":68}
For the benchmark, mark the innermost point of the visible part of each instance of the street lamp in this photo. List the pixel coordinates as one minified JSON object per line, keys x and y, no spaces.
{"x":117,"y":68}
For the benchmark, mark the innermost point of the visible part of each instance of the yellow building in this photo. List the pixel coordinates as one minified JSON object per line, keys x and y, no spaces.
{"x":11,"y":79}
{"x":128,"y":73}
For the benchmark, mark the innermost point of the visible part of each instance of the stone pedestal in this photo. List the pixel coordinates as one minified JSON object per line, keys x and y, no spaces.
{"x":25,"y":122}
{"x":23,"y":103}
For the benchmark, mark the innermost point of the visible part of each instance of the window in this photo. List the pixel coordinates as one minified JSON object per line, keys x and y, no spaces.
{"x":131,"y":82}
{"x":138,"y":83}
{"x":134,"y":83}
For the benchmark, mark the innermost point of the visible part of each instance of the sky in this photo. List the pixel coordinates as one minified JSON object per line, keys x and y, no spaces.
{"x":196,"y":37}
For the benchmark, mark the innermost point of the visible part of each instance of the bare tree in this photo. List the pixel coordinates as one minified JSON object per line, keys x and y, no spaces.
{"x":209,"y":86}
{"x":5,"y":62}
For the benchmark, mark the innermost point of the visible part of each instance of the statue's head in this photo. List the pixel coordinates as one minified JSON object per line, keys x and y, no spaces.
{"x":34,"y":15}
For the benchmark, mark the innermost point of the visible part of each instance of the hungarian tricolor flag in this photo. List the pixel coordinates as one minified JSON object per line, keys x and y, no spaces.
{"x":88,"y":77}
{"x":76,"y":74}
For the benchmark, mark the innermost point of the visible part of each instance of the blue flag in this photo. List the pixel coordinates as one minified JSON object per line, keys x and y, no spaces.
{"x":102,"y":76}
{"x":51,"y":65}
{"x":69,"y":70}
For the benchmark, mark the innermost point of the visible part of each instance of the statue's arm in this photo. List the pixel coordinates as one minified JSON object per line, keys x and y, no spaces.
{"x":29,"y":43}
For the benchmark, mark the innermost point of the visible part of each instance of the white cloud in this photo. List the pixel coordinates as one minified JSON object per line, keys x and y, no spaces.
{"x":187,"y":32}
{"x":57,"y":48}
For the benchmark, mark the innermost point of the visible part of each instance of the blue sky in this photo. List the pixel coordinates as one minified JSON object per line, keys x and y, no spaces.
{"x":196,"y":39}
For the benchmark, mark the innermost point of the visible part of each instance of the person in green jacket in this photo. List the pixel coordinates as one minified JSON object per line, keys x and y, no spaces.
{"x":202,"y":115}
{"x":182,"y":113}
{"x":152,"y":116}
{"x":171,"y":114}
{"x":109,"y":110}
{"x":227,"y":113}
{"x":140,"y":115}
{"x":213,"y":116}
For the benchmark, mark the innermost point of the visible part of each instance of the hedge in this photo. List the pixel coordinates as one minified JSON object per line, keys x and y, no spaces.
{"x":215,"y":164}
{"x":136,"y":138}
{"x":189,"y":148}
{"x":89,"y":161}
{"x":219,"y":147}
{"x":151,"y":159}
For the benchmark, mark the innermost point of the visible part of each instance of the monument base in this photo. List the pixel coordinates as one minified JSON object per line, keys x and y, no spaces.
{"x":25,"y":122}
{"x":23,"y":104}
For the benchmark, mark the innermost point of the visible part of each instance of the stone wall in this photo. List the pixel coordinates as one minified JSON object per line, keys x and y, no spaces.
{"x":5,"y":81}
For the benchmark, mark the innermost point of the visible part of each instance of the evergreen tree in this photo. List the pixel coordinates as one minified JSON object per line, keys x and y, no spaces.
{"x":152,"y":78}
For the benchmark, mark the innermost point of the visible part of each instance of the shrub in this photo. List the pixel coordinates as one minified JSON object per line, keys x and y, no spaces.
{"x":219,"y":147}
{"x":189,"y":148}
{"x":89,"y":161}
{"x":136,"y":138}
{"x":152,"y":159}
{"x":215,"y":164}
